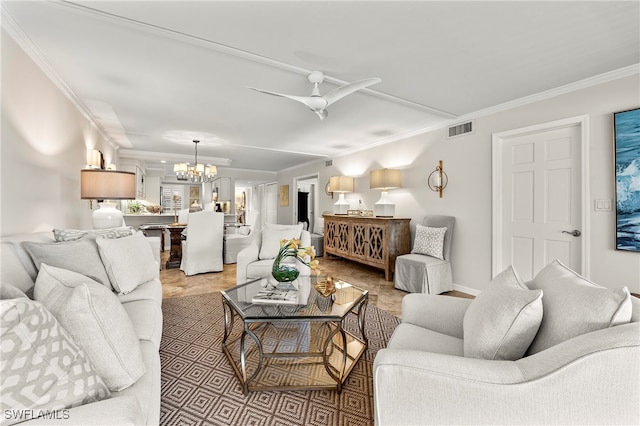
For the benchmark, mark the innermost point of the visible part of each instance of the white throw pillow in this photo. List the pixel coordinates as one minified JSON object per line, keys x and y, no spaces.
{"x":318,"y":226}
{"x":42,"y":367}
{"x":574,"y":306}
{"x":429,"y":241}
{"x":96,"y":320}
{"x":244,"y":230}
{"x":273,"y":234}
{"x":503,"y":319}
{"x":81,"y":256}
{"x":129,"y":261}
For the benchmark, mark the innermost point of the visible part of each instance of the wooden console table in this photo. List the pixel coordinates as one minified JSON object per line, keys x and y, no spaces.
{"x":374,"y":241}
{"x":175,"y":255}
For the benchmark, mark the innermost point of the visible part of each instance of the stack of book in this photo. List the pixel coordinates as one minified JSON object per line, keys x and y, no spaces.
{"x":280,"y":296}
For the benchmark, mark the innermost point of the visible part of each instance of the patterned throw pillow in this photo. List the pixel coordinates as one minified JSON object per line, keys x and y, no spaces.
{"x":429,"y":241}
{"x":76,"y":234}
{"x":42,"y":368}
{"x":96,"y":320}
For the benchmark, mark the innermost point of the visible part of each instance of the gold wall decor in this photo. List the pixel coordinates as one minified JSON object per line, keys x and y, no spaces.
{"x":284,"y":195}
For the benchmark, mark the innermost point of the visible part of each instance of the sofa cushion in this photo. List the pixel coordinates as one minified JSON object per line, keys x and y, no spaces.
{"x":415,"y":338}
{"x":42,"y":367}
{"x":80,"y":256}
{"x":76,"y":234}
{"x":146,"y":318}
{"x":503,"y":319}
{"x":129,"y":261}
{"x":574,"y":305}
{"x":318,"y":226}
{"x":273,"y":234}
{"x":96,"y":320}
{"x":429,"y":241}
{"x":259,"y":269}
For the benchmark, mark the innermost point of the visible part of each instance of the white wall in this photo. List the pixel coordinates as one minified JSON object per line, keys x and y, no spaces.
{"x":44,"y":143}
{"x":467,"y":161}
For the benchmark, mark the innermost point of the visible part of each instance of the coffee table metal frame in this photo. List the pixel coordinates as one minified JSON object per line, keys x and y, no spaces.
{"x":336,"y":343}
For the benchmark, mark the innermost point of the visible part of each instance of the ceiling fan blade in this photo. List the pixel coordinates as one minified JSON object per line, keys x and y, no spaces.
{"x":342,"y":91}
{"x":304,"y":99}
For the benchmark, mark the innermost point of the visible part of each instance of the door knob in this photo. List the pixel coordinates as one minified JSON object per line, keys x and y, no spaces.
{"x":574,"y":233}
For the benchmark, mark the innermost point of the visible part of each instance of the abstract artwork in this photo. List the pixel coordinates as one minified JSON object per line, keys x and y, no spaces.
{"x":626,"y":131}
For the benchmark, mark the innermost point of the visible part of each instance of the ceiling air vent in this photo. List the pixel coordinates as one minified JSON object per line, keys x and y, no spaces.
{"x":328,"y":163}
{"x":460,"y":129}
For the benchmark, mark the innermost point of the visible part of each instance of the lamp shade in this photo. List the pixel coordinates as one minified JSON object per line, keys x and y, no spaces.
{"x":341,"y":184}
{"x":107,"y":185}
{"x":385,"y":179}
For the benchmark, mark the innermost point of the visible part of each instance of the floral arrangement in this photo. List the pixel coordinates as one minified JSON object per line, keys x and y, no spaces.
{"x":291,"y":248}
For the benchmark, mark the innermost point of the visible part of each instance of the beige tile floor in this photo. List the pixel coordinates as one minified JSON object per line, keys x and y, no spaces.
{"x":381,"y":292}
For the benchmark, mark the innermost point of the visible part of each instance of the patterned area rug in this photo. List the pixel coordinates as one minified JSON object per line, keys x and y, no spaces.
{"x":200,"y":388}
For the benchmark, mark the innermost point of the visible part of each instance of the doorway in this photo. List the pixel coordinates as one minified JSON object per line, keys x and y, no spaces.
{"x":541,"y":197}
{"x":306,"y":205}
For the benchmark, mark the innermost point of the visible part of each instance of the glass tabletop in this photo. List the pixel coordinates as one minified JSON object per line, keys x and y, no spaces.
{"x":264,"y":299}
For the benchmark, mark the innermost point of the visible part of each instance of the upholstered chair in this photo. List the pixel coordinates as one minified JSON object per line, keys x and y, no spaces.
{"x":427,"y":269}
{"x":202,"y":250}
{"x":234,"y":243}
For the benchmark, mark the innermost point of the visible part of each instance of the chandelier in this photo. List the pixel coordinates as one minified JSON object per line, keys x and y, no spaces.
{"x":197,"y":173}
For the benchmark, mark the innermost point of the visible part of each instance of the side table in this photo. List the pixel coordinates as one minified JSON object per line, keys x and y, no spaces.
{"x":175,"y":255}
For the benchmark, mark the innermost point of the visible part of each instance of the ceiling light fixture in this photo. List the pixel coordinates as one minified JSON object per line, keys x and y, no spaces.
{"x":197,"y":173}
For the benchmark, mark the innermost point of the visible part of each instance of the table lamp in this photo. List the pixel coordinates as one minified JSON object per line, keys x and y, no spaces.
{"x":384,"y":179}
{"x":96,"y":184}
{"x":341,"y":185}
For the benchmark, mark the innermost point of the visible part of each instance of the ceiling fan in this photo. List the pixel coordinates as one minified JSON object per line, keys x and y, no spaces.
{"x":318,"y":103}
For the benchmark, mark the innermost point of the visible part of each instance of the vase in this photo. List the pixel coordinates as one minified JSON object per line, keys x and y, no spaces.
{"x":285,"y":270}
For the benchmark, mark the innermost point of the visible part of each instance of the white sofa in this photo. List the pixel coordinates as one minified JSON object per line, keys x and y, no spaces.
{"x":256,"y":260}
{"x":139,"y":403}
{"x":460,"y":361}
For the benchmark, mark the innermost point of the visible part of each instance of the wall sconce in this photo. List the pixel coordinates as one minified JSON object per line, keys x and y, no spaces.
{"x":438,"y":179}
{"x":107,"y":185}
{"x":341,"y":185}
{"x":384,"y":179}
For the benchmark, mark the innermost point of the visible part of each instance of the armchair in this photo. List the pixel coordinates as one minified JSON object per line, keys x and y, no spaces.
{"x":422,"y":270}
{"x":424,"y":376}
{"x":234,"y":243}
{"x":256,"y":260}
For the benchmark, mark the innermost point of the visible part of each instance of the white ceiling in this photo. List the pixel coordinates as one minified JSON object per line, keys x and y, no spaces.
{"x":141,"y":69}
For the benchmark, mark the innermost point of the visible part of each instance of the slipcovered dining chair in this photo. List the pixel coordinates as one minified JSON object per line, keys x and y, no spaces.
{"x":234,"y":243}
{"x":427,"y":269}
{"x":202,"y":250}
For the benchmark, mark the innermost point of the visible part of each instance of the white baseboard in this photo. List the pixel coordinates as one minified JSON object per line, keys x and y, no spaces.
{"x":468,"y":290}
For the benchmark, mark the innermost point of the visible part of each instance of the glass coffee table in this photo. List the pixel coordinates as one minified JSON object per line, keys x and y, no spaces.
{"x":297,"y":344}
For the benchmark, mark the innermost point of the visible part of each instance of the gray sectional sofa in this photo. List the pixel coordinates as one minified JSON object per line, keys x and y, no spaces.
{"x":133,"y":397}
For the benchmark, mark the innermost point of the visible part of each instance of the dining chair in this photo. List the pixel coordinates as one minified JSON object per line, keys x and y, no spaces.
{"x":202,"y":250}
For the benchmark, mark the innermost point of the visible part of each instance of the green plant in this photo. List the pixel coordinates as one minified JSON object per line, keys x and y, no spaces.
{"x":135,"y":207}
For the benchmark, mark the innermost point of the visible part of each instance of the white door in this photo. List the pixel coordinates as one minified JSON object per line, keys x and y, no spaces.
{"x":538,"y":201}
{"x":271,"y":203}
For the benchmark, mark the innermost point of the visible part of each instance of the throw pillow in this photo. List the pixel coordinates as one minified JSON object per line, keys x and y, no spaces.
{"x":574,"y":305}
{"x":318,"y":226}
{"x":42,"y":367}
{"x":8,"y":291}
{"x":96,"y":320}
{"x":129,"y":261}
{"x":273,"y":234}
{"x":244,"y":230}
{"x":429,"y":241}
{"x":81,"y":256}
{"x":503,"y":319}
{"x":76,"y":234}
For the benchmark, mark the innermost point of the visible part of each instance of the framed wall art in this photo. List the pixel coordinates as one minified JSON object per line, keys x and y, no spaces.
{"x":284,"y":195}
{"x":626,"y":141}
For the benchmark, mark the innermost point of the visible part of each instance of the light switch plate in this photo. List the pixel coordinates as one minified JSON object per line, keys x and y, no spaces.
{"x":602,"y":205}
